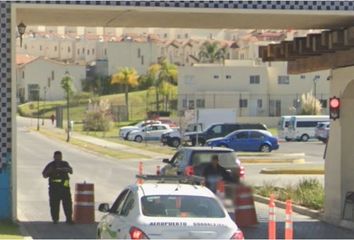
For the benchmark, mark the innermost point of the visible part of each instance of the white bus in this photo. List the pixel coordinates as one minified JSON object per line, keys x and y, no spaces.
{"x":283,"y":127}
{"x":302,"y":128}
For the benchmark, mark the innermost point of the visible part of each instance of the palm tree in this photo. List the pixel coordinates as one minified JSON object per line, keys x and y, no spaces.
{"x":160,"y":73}
{"x":68,"y":87}
{"x":211,"y":52}
{"x":128,"y":77}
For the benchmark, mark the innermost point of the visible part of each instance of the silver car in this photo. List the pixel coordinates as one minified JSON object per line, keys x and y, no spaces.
{"x":322,"y":131}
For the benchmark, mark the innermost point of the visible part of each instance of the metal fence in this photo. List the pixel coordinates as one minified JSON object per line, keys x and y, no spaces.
{"x":249,"y":104}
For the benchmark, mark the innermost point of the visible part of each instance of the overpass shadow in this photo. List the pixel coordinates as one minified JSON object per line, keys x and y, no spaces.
{"x":48,"y":230}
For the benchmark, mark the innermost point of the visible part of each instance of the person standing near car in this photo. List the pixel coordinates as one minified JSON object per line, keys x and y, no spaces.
{"x":59,"y":188}
{"x":214,"y":172}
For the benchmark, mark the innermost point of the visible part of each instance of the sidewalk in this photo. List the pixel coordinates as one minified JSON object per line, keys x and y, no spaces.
{"x":304,"y":227}
{"x":105,"y":143}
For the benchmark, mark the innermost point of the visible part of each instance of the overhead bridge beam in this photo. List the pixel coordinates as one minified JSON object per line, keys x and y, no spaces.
{"x":329,"y":49}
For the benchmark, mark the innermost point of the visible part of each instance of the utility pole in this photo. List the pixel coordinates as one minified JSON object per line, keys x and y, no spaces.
{"x":38,"y":94}
{"x":45,"y":93}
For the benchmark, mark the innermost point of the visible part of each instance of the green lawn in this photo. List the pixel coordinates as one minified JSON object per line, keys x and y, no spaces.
{"x":9,"y":230}
{"x":139,"y":103}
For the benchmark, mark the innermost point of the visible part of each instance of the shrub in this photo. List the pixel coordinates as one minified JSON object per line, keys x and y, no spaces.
{"x":308,"y":193}
{"x":98,"y":117}
{"x":96,"y":121}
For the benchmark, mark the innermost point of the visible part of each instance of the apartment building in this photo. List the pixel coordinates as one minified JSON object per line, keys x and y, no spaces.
{"x":253,"y":88}
{"x":38,"y":77}
{"x":129,"y":53}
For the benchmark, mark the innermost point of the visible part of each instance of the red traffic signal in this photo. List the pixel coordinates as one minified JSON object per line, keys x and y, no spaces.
{"x":334,"y":108}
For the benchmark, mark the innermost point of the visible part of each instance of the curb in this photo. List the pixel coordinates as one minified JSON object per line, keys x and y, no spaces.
{"x":296,"y":208}
{"x":292,"y":171}
{"x":273,"y":158}
{"x":266,"y":160}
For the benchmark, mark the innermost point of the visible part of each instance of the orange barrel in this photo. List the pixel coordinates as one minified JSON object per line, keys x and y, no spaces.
{"x":84,"y":206}
{"x":245,"y":212}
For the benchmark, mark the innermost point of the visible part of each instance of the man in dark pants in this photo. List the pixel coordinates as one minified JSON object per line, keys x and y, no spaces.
{"x":59,"y":187}
{"x":213,"y":173}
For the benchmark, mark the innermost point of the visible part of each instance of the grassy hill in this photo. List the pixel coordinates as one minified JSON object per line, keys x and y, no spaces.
{"x":139,"y":103}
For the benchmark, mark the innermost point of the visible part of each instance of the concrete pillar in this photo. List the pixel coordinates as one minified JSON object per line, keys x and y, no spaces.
{"x":339,"y":163}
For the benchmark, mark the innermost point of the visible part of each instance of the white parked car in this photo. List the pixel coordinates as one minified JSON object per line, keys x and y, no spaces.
{"x":172,"y":210}
{"x":124,"y":131}
{"x":151,"y":132}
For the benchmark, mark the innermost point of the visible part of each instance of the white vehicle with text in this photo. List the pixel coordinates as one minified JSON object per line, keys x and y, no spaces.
{"x":166,"y":210}
{"x":302,"y":127}
{"x":283,"y":131}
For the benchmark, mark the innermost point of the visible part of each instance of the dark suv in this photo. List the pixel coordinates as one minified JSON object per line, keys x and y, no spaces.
{"x":220,"y":130}
{"x":193,"y":160}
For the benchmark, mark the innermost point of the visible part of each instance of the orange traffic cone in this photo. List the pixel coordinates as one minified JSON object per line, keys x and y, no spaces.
{"x":140,"y":169}
{"x":220,"y":189}
{"x":288,"y":221}
{"x":158,"y":170}
{"x":272,"y":221}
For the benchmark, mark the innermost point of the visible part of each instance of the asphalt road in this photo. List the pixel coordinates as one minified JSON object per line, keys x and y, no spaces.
{"x":110,"y":176}
{"x":314,"y":150}
{"x":34,"y":151}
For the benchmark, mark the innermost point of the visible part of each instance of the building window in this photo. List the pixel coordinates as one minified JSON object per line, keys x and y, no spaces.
{"x":165,"y":35}
{"x":93,"y":51}
{"x":186,"y":35}
{"x":78,"y":52}
{"x":139,"y":53}
{"x":55,"y":48}
{"x":323,"y":103}
{"x":228,"y":76}
{"x":216,"y":76}
{"x":283,"y":80}
{"x":243,"y":103}
{"x":23,"y":74}
{"x":69,"y":49}
{"x":52,"y":75}
{"x":88,"y":51}
{"x":25,"y":46}
{"x":255,"y":79}
{"x":184,"y":103}
{"x":200,"y":103}
{"x":142,"y":60}
{"x":105,"y":51}
{"x":191,"y":104}
{"x":259,"y":103}
{"x":303,"y":77}
{"x":40,"y":48}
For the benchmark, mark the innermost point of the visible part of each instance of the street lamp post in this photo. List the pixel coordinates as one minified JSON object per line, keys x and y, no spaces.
{"x":67,"y":110}
{"x":315,"y":79}
{"x":38,"y":92}
{"x":45,"y":93}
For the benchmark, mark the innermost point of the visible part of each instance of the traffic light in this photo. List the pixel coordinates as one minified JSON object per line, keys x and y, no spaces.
{"x":334,"y":108}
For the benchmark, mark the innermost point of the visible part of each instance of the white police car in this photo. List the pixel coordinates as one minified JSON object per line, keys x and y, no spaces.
{"x":155,"y":210}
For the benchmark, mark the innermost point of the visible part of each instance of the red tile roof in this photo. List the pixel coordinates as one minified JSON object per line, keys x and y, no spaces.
{"x":24,"y":59}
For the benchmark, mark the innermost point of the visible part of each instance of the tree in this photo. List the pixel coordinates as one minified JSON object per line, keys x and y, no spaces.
{"x":211,"y":52}
{"x":160,"y":73}
{"x":128,"y":77}
{"x":310,"y":105}
{"x":67,"y":85}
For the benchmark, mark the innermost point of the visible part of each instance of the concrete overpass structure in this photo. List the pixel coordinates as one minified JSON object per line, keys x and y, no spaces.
{"x":336,"y":16}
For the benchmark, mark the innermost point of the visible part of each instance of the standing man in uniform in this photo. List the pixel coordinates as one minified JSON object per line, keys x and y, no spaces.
{"x":214,"y":172}
{"x":59,"y":188}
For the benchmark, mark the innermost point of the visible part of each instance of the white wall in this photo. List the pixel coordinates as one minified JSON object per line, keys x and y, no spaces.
{"x":210,"y":81}
{"x":126,"y":54}
{"x":40,"y":72}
